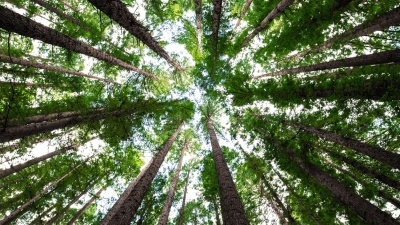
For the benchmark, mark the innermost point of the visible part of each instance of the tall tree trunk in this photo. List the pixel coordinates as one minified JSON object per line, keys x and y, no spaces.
{"x":217,"y":10}
{"x":17,"y":23}
{"x":377,"y":153}
{"x":17,"y":168}
{"x":13,"y":215}
{"x":127,"y":205}
{"x":63,"y":210}
{"x":381,"y":193}
{"x":82,"y":210}
{"x":27,"y":63}
{"x":171,"y":192}
{"x":39,"y":219}
{"x":217,"y":219}
{"x":182,"y":210}
{"x":271,"y":191}
{"x":117,"y":11}
{"x":382,"y":22}
{"x":282,"y":5}
{"x":198,"y":8}
{"x":13,"y":133}
{"x":390,"y":56}
{"x":364,"y":169}
{"x":231,"y":205}
{"x":242,"y":13}
{"x":63,"y":15}
{"x":367,"y":211}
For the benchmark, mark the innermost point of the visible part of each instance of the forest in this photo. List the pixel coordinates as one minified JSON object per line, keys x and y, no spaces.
{"x":233,"y":112}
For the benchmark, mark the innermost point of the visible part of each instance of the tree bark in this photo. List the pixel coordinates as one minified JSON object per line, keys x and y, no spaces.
{"x":367,"y":211}
{"x":182,"y":211}
{"x":17,"y":23}
{"x":13,"y":215}
{"x":217,"y":219}
{"x":217,"y":10}
{"x":82,"y":210}
{"x":390,"y":56}
{"x":117,"y":11}
{"x":364,"y":169}
{"x":198,"y":8}
{"x":23,"y":62}
{"x":283,"y":4}
{"x":382,"y":22}
{"x":171,"y":192}
{"x":17,"y":168}
{"x":231,"y":205}
{"x":377,"y":153}
{"x":242,"y":13}
{"x":127,"y":205}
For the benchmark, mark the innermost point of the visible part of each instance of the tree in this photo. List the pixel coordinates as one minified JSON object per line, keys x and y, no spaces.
{"x":182,"y":209}
{"x":125,"y":208}
{"x":232,"y":209}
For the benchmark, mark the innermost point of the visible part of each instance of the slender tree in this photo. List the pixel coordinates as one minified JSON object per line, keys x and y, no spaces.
{"x":216,"y":15}
{"x":242,"y":13}
{"x":29,"y":63}
{"x":117,"y":11}
{"x":14,"y":22}
{"x":198,"y":9}
{"x":231,"y":205}
{"x":390,"y":56}
{"x":282,"y":5}
{"x":171,"y":192}
{"x":182,"y":210}
{"x":127,"y":205}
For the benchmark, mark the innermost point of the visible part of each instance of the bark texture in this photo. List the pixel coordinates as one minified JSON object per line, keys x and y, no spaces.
{"x":231,"y":205}
{"x":198,"y":8}
{"x":19,"y":24}
{"x":282,"y":5}
{"x":217,"y":10}
{"x":171,"y":192}
{"x":27,"y":63}
{"x":390,"y":56}
{"x":389,"y":158}
{"x":127,"y":205}
{"x":80,"y":212}
{"x":117,"y":11}
{"x":382,"y":22}
{"x":182,"y":210}
{"x":13,"y":215}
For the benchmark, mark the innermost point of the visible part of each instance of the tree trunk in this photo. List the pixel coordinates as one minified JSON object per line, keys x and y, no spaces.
{"x":217,"y":219}
{"x":242,"y":13}
{"x":198,"y":8}
{"x":390,"y":56}
{"x":364,"y":169}
{"x":17,"y":168}
{"x":171,"y":192}
{"x":117,"y":11}
{"x":13,"y":215}
{"x":82,"y":210}
{"x":39,"y":219}
{"x":27,"y":63}
{"x":377,"y":153}
{"x":182,"y":211}
{"x":382,"y":22}
{"x":17,"y":23}
{"x":217,"y":10}
{"x":231,"y":205}
{"x":283,"y":4}
{"x":367,"y":211}
{"x":127,"y":205}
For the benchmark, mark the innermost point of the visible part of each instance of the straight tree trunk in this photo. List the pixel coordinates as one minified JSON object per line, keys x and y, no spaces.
{"x":118,"y":12}
{"x":375,"y":152}
{"x":390,"y":56}
{"x":217,"y":219}
{"x":231,"y":205}
{"x":171,"y":192}
{"x":182,"y":211}
{"x":82,"y":210}
{"x":27,"y":63}
{"x":17,"y":168}
{"x":364,"y":169}
{"x":39,"y":219}
{"x":13,"y":215}
{"x":282,"y":5}
{"x":127,"y":205}
{"x":382,"y":22}
{"x":367,"y":211}
{"x":217,"y":10}
{"x":242,"y":13}
{"x":198,"y":8}
{"x":17,"y":23}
